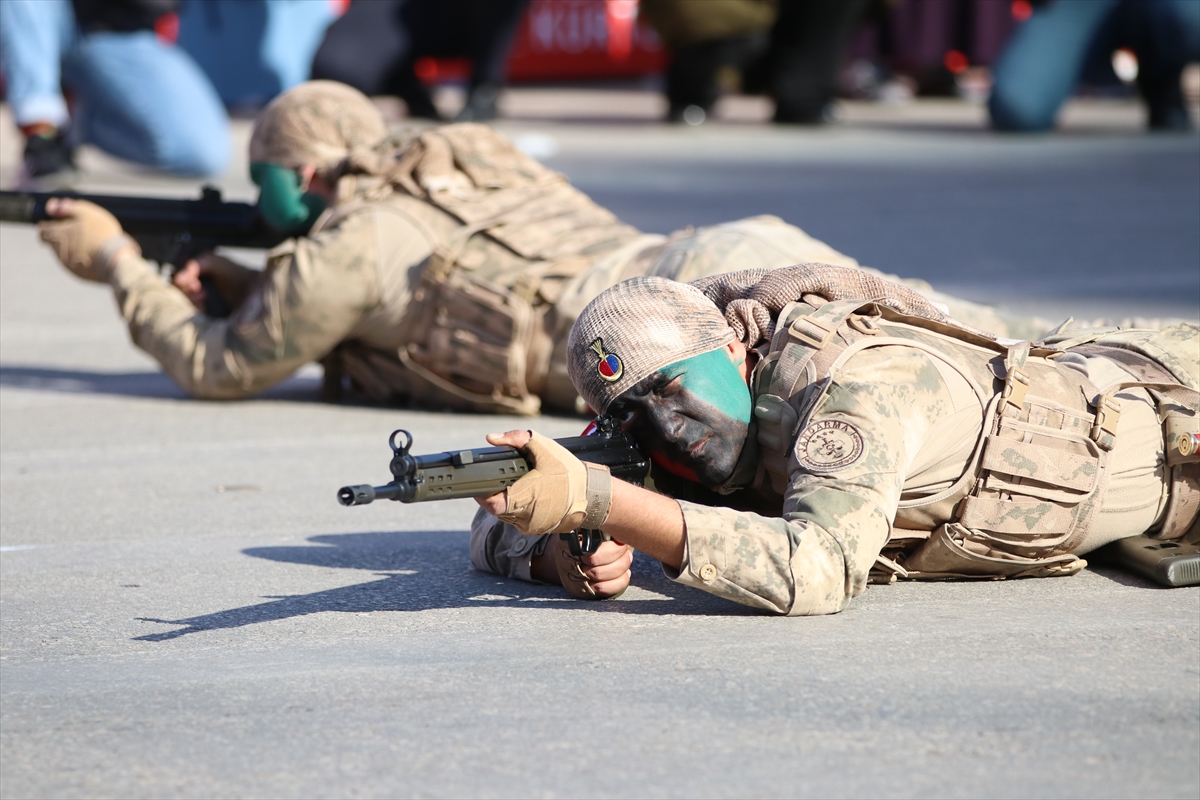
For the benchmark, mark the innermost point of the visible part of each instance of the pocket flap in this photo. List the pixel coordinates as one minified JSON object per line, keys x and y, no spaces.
{"x":1043,"y":464}
{"x":1015,"y":516}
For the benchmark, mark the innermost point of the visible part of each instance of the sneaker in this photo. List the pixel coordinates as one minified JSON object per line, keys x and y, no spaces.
{"x":49,"y":157}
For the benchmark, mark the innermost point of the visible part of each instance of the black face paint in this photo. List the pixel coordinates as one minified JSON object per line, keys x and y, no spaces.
{"x":690,"y":429}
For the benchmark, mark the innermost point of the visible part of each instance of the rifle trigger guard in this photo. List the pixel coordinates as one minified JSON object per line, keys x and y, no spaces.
{"x":582,"y":541}
{"x":397,"y":449}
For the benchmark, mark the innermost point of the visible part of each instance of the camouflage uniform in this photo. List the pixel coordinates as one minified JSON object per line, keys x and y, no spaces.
{"x":448,"y":272}
{"x":890,"y":445}
{"x":350,"y":279}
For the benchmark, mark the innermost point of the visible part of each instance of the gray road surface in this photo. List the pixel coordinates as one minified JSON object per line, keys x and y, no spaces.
{"x":186,"y":612}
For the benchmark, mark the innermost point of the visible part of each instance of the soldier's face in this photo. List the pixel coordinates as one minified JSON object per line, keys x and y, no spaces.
{"x":692,"y":415}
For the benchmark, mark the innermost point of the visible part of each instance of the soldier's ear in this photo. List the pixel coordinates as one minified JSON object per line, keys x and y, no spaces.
{"x":304,"y":177}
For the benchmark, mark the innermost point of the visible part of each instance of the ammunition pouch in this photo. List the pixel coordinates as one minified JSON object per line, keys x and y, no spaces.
{"x":473,"y":340}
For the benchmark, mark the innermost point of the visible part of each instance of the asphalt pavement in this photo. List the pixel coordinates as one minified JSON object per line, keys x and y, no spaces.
{"x":185,"y":611}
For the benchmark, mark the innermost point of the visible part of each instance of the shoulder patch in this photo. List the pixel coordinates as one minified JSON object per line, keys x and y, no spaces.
{"x":829,"y":445}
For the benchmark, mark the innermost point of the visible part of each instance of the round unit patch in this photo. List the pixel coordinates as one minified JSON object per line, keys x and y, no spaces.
{"x":829,"y":445}
{"x":609,"y":367}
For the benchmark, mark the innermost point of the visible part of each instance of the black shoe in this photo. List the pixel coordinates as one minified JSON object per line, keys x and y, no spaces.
{"x":481,"y":104}
{"x":1164,"y":103}
{"x":1169,"y":117}
{"x":48,"y":155}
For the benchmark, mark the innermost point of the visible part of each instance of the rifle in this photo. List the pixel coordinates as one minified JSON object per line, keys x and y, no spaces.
{"x":487,"y":470}
{"x":168,"y":231}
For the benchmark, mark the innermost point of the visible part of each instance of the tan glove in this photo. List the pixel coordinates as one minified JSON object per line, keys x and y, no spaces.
{"x":559,"y":494}
{"x":85,"y":237}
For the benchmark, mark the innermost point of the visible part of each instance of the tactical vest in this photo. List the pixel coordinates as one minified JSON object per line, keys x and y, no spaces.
{"x":477,"y":334}
{"x":997,"y":520}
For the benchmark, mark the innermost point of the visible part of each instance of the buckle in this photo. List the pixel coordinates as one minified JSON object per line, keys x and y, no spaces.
{"x":864,"y":324}
{"x":811,"y":338}
{"x":1016,"y":384}
{"x":1108,"y":414}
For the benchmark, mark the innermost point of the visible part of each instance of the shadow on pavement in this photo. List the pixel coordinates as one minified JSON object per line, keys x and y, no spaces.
{"x":424,"y":570}
{"x":153,"y":384}
{"x":126,"y":384}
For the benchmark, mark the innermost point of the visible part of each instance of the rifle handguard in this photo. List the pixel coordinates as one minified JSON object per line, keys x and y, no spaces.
{"x":488,"y":470}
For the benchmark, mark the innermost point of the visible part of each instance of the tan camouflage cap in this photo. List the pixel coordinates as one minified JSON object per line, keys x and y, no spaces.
{"x":316,"y":123}
{"x":635,"y":328}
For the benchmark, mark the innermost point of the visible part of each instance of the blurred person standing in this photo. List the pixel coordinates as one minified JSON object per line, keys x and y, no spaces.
{"x":705,"y":38}
{"x":791,"y":49}
{"x":808,"y":44}
{"x":376,"y":45}
{"x":1062,"y":42}
{"x":136,"y":96}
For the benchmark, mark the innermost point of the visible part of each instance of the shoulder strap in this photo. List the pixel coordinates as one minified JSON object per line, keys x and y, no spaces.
{"x":799,"y":336}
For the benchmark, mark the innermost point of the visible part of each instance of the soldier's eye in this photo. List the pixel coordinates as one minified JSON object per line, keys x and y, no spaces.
{"x":669,"y":386}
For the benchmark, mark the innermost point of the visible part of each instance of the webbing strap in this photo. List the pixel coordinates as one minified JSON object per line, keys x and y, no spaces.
{"x":807,"y":335}
{"x":1107,"y":409}
{"x":1016,"y":380}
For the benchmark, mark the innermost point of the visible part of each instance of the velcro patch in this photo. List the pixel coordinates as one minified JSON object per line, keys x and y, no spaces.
{"x":829,"y":445}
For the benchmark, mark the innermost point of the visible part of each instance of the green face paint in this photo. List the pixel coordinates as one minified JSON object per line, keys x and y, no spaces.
{"x":282,"y":204}
{"x":715,"y":379}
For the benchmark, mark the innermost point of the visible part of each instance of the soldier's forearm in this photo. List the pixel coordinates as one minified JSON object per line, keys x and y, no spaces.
{"x":144,"y":301}
{"x":190,"y":347}
{"x":652,"y":523}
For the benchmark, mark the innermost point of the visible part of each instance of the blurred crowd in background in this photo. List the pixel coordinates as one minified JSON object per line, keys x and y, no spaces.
{"x":155,"y":81}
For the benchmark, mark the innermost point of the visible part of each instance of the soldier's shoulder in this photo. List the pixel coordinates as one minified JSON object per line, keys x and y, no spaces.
{"x":890,"y":365}
{"x":888,"y":381}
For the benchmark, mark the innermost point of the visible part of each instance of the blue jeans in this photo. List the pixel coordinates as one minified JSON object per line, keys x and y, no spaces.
{"x":1045,"y":58}
{"x":137,"y":98}
{"x":252,"y":50}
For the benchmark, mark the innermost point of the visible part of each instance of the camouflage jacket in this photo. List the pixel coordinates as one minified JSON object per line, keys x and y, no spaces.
{"x":901,"y":456}
{"x":349,"y":279}
{"x":862,"y":471}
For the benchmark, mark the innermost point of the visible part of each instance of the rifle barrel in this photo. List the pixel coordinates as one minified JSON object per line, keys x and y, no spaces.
{"x":365,"y":493}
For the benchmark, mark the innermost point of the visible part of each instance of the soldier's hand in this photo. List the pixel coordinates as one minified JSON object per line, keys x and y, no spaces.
{"x":593,"y":576}
{"x":187,"y":280}
{"x":232,"y":280}
{"x":86,"y":238}
{"x":558,"y":494}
